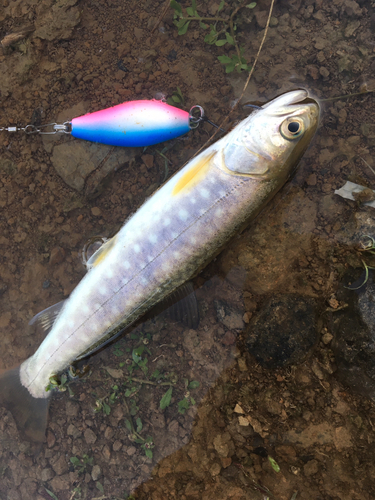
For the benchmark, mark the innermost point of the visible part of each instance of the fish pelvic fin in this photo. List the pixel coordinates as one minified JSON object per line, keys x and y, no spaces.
{"x":29,"y":413}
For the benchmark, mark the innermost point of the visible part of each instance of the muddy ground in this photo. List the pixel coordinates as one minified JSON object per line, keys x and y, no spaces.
{"x":236,"y":402}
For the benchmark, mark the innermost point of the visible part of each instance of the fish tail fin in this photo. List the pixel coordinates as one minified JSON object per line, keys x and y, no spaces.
{"x":29,"y":413}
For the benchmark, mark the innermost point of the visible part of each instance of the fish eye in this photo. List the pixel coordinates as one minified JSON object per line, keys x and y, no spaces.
{"x":291,"y":128}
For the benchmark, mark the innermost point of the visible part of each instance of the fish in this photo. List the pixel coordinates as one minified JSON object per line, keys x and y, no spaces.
{"x":168,"y":240}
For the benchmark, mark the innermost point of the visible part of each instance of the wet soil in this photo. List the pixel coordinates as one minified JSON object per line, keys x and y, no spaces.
{"x":228,"y":413}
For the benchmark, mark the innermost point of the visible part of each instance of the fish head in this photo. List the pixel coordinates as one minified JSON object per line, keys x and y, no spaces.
{"x":269,"y":143}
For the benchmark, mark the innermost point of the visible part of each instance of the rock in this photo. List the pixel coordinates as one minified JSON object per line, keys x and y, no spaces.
{"x":57,"y":22}
{"x":82,"y":164}
{"x":114,"y":372}
{"x":96,"y":472}
{"x":96,"y":212}
{"x":284,"y":331}
{"x":60,"y":466}
{"x":73,"y":431}
{"x":230,"y":317}
{"x":354,"y":336}
{"x":57,"y":256}
{"x":47,"y":474}
{"x":311,"y":468}
{"x":90,"y":436}
{"x":223,"y":444}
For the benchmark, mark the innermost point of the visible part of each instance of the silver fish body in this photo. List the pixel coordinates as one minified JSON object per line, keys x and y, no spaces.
{"x":177,"y":231}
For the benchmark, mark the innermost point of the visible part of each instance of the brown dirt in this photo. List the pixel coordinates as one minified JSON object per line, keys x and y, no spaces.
{"x":319,"y":432}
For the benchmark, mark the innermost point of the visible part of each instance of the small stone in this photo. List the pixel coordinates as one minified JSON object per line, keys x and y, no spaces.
{"x":148,"y":160}
{"x":60,"y":466}
{"x":238,"y":409}
{"x":311,"y":180}
{"x":90,"y":436}
{"x":242,"y":364}
{"x":51,"y":439}
{"x":311,"y":468}
{"x":115,"y":373}
{"x":324,"y":72}
{"x":243,"y":421}
{"x":229,"y":338}
{"x":47,"y":474}
{"x":326,"y":338}
{"x":96,"y":211}
{"x":117,"y":445}
{"x":73,"y":431}
{"x":215,"y":469}
{"x":131,"y":450}
{"x":96,"y":472}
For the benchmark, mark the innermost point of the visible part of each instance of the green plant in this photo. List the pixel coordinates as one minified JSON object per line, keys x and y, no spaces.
{"x":59,"y":383}
{"x":177,"y":98}
{"x":222,"y":31}
{"x":81,"y":464}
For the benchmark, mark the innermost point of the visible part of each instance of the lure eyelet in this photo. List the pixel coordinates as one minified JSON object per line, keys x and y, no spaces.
{"x":292,"y":128}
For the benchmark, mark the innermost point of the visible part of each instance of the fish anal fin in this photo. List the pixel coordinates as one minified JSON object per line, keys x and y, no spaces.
{"x":194,"y":174}
{"x":29,"y":413}
{"x":45,"y":319}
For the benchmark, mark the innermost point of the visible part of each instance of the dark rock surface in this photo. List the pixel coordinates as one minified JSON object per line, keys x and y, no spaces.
{"x":284,"y":332}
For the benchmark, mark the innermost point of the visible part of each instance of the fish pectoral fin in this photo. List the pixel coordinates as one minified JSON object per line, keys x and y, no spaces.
{"x":29,"y":413}
{"x":181,"y":305}
{"x":101,"y":253}
{"x":45,"y":319}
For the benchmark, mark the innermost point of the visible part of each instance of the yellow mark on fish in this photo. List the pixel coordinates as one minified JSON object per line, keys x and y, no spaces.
{"x":194,"y":175}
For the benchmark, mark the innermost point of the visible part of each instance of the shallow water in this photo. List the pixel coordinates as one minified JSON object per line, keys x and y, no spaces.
{"x":319,"y":431}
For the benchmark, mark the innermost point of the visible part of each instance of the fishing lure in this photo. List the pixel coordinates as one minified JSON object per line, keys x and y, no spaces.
{"x":130,"y":124}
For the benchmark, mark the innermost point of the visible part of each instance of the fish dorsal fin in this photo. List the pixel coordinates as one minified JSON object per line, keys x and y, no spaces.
{"x":45,"y":319}
{"x":193,"y":174}
{"x":101,"y":253}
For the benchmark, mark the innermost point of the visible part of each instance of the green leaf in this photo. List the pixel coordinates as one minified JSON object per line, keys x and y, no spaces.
{"x":190,"y":11}
{"x":176,"y":98}
{"x":220,"y":43}
{"x":202,"y":25}
{"x":176,"y":6}
{"x":184,"y":28}
{"x":139,"y":424}
{"x":221,"y":6}
{"x":225,"y":59}
{"x":52,"y":495}
{"x":192,"y":400}
{"x":99,"y":486}
{"x":194,"y":384}
{"x":166,"y":399}
{"x":75,"y":461}
{"x":183,"y":405}
{"x":128,"y":425}
{"x":251,"y":5}
{"x":194,"y":5}
{"x":274,"y":464}
{"x":155,"y":374}
{"x":106,"y":408}
{"x":148,"y":453}
{"x":229,"y":38}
